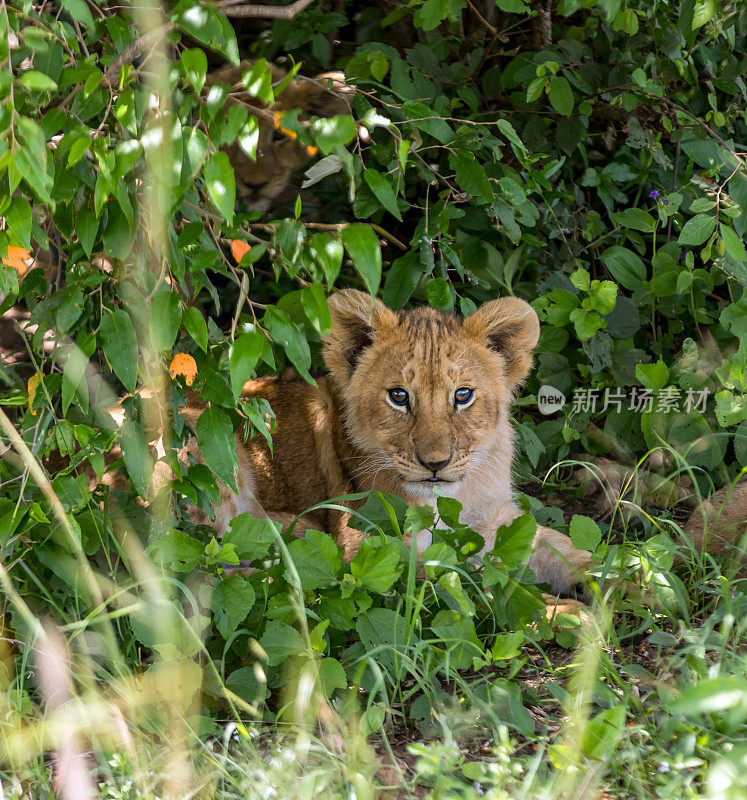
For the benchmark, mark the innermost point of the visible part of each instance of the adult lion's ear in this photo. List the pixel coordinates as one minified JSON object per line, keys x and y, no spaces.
{"x":509,"y":326}
{"x":355,"y":318}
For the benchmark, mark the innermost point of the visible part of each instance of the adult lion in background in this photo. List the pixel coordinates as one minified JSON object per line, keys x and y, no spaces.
{"x":414,"y":400}
{"x":261,"y":183}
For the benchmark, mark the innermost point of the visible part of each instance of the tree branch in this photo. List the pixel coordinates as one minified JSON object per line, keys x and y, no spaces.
{"x":135,"y":50}
{"x":231,"y":9}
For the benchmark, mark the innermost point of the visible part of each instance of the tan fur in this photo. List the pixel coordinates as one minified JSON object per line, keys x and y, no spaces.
{"x":261,"y":183}
{"x":719,"y":524}
{"x":344,"y":435}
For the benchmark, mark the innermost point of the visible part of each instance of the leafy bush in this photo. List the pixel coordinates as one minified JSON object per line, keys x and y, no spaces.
{"x":587,"y":159}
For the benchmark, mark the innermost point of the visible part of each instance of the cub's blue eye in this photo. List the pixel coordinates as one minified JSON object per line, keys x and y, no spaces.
{"x":463,"y":395}
{"x":399,"y":396}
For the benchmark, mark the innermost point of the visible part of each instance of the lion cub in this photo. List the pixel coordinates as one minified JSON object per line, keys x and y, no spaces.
{"x":414,"y":401}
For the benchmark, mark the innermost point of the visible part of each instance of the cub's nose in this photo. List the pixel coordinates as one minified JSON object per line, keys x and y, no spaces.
{"x":433,"y":466}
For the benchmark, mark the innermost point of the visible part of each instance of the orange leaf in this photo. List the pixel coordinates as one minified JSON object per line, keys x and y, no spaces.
{"x":33,"y":384}
{"x":183,"y":364}
{"x":17,"y":258}
{"x":238,"y":249}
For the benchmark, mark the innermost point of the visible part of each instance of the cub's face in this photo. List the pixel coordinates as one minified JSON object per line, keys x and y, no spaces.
{"x":425,"y":393}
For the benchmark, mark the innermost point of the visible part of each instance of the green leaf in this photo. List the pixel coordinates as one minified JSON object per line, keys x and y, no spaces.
{"x":37,"y":81}
{"x":561,"y":95}
{"x":317,"y":560}
{"x":333,"y":132}
{"x":362,"y":246}
{"x":177,"y":551}
{"x":733,"y":243}
{"x":221,"y":185}
{"x":470,"y":175}
{"x":281,"y":642}
{"x":242,"y":359}
{"x":431,"y":14}
{"x":513,"y":543}
{"x":652,"y":376}
{"x":603,"y":733}
{"x":711,"y":696}
{"x":196,"y":327}
{"x":252,"y":537}
{"x":584,"y":532}
{"x":332,"y":676}
{"x":78,"y":10}
{"x":136,"y":456}
{"x":635,"y":218}
{"x":120,"y":346}
{"x":383,"y":191}
{"x":438,"y":294}
{"x":314,"y":303}
{"x":232,"y":600}
{"x":696,"y":230}
{"x":165,"y":318}
{"x":218,"y":444}
{"x":18,"y":217}
{"x":287,"y":334}
{"x":194,"y":62}
{"x":327,"y":251}
{"x":625,"y":267}
{"x":376,"y":567}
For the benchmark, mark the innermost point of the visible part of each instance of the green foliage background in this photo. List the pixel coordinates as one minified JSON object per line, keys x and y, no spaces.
{"x":597,"y":171}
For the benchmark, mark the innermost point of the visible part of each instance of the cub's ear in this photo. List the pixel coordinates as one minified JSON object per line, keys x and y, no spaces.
{"x":355,"y":318}
{"x":326,"y":95}
{"x":509,"y":326}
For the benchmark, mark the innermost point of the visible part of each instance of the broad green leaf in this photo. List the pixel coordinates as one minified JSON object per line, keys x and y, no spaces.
{"x":286,"y":333}
{"x":513,"y":543}
{"x":635,"y":218}
{"x":281,"y":642}
{"x":221,"y":185}
{"x":178,"y":551}
{"x":78,"y":10}
{"x":120,"y":346}
{"x":327,"y":251}
{"x":136,"y":456}
{"x":314,"y":303}
{"x":376,"y":567}
{"x":242,"y":359}
{"x":652,"y":376}
{"x":603,"y":732}
{"x":333,"y":132}
{"x":625,"y":267}
{"x":712,"y":696}
{"x":317,"y":560}
{"x":733,"y":243}
{"x":362,"y":246}
{"x":37,"y":81}
{"x":584,"y":532}
{"x":470,"y":175}
{"x":195,"y":325}
{"x":252,"y":537}
{"x":232,"y":600}
{"x":696,"y":230}
{"x":18,"y":217}
{"x":194,"y":62}
{"x":332,"y":676}
{"x":561,"y":95}
{"x":218,"y":444}
{"x":165,"y":318}
{"x":383,"y":191}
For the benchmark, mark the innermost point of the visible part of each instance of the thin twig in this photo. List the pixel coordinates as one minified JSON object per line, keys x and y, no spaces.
{"x":265,"y":12}
{"x":135,"y":50}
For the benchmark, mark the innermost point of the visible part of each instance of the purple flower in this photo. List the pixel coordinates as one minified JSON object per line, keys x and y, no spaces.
{"x":654,"y":194}
{"x":665,"y":201}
